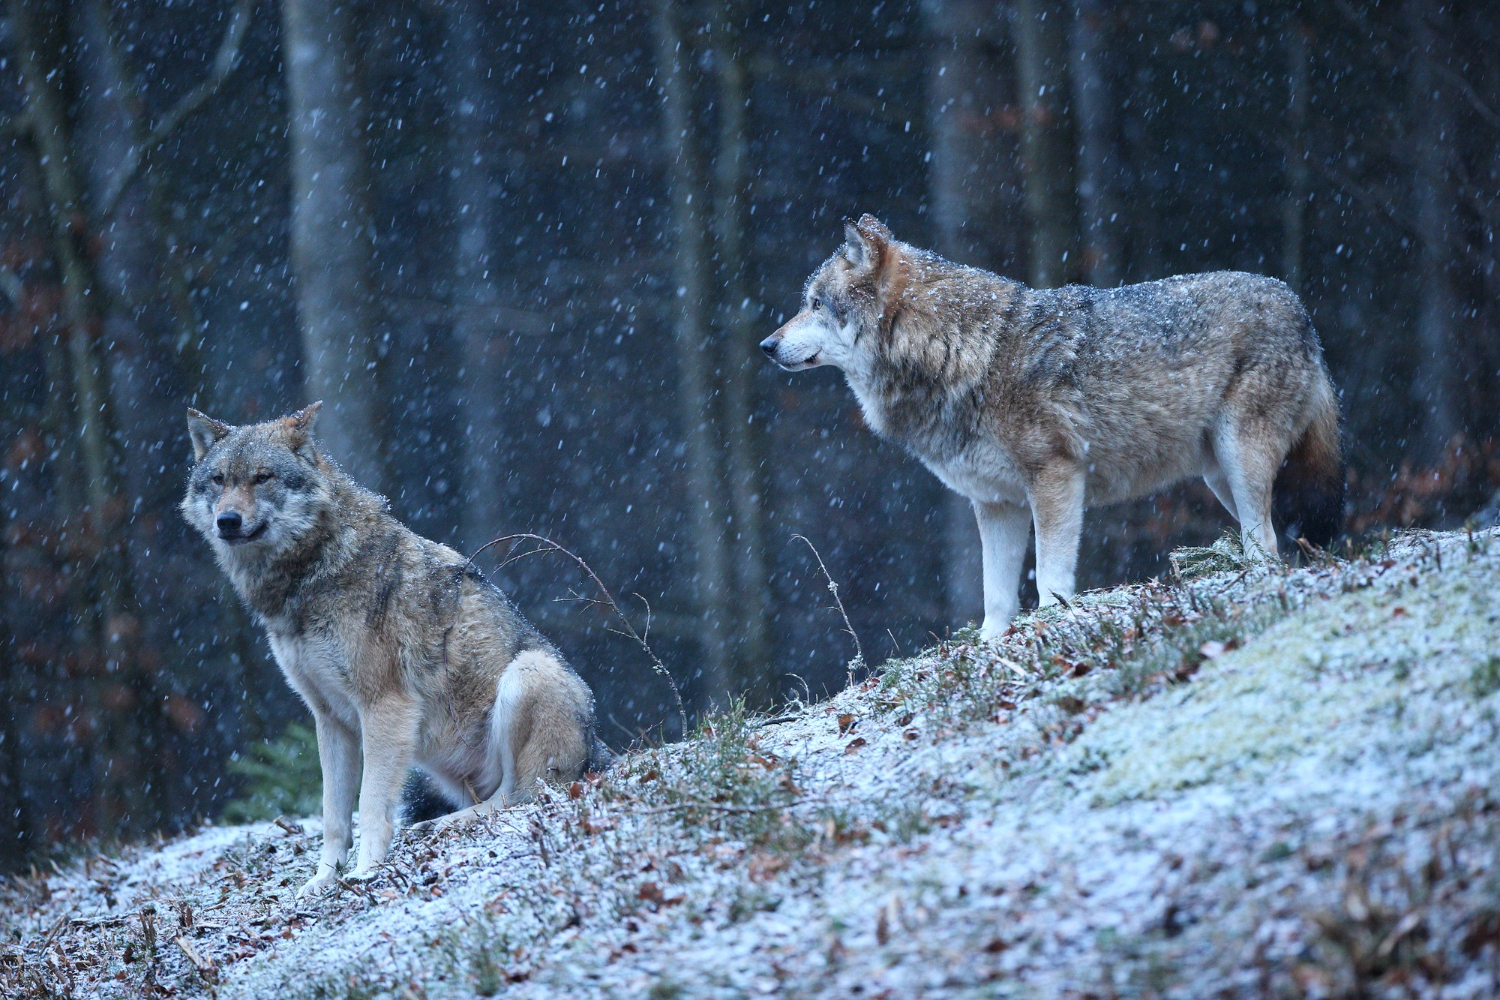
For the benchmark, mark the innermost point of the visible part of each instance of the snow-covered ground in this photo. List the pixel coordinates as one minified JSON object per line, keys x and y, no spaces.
{"x":1253,"y":783}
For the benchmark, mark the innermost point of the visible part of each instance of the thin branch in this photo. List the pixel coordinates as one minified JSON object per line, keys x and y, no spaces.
{"x":225,"y":61}
{"x":548,"y":545}
{"x":833,"y":588}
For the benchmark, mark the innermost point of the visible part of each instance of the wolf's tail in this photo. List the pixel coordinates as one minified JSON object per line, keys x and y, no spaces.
{"x":1309,"y":491}
{"x":600,"y":758}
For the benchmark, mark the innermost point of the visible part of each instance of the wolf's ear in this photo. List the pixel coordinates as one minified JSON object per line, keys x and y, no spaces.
{"x":205,"y":432}
{"x":300,"y":424}
{"x":866,"y":242}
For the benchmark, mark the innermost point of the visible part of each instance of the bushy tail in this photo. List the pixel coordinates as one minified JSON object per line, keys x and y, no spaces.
{"x":1309,"y":491}
{"x":601,"y":758}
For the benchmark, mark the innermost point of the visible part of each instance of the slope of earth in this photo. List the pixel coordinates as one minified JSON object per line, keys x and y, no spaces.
{"x":1254,"y":782}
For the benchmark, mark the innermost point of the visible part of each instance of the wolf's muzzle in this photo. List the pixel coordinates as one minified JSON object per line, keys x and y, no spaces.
{"x":232,"y":528}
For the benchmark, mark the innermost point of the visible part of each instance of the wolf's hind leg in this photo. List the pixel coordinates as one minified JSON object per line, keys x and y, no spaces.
{"x":1249,"y":468}
{"x":1220,"y":486}
{"x":1057,"y":496}
{"x":537,"y":733}
{"x":1003,"y":531}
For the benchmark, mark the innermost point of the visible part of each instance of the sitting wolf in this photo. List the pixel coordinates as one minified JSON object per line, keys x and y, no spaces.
{"x":404,"y":652}
{"x":1036,"y":403}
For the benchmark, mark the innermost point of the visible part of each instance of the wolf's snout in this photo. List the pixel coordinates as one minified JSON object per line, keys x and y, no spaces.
{"x":229,"y":522}
{"x":769,"y":346}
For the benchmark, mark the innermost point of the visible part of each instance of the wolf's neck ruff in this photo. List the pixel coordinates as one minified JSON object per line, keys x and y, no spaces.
{"x":933,"y":364}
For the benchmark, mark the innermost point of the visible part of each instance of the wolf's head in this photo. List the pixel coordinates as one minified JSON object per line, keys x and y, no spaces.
{"x":256,"y":489}
{"x":843,"y":302}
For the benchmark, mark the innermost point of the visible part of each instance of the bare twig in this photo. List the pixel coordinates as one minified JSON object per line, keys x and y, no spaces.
{"x":718,"y":807}
{"x":205,"y":966}
{"x":833,"y":588}
{"x":548,"y":545}
{"x":292,"y":829}
{"x":225,"y":61}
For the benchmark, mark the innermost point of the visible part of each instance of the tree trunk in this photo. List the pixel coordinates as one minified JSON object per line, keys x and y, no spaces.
{"x":966,"y":198}
{"x":333,"y":243}
{"x":1041,"y":61}
{"x":1294,"y":208}
{"x":1098,"y":163}
{"x":15,"y":819}
{"x":114,"y":695}
{"x":694,"y":358}
{"x":740,"y":361}
{"x":475,"y":298}
{"x":1432,"y":146}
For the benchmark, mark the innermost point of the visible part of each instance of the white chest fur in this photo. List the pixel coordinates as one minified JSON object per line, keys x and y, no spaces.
{"x":317,"y":667}
{"x":985,"y":472}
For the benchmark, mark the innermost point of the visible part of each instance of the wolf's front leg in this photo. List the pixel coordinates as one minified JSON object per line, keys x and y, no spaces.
{"x":1003,"y":531}
{"x":1057,"y":508}
{"x":338,"y":756}
{"x":390,"y":738}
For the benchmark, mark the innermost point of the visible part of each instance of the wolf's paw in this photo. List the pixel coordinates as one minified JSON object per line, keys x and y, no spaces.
{"x":993,"y":628}
{"x":425,"y":828}
{"x":318,"y":884}
{"x":453,"y":821}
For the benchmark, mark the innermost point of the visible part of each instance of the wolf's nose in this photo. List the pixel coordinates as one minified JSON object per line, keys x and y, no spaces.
{"x":769,"y":346}
{"x":229,"y":521}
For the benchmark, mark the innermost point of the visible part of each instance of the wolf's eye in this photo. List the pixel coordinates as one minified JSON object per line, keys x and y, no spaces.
{"x":264,"y":477}
{"x":218,"y":478}
{"x":817,"y":304}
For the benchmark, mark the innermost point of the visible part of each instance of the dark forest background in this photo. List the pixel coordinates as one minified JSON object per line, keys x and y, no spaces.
{"x":525,"y":252}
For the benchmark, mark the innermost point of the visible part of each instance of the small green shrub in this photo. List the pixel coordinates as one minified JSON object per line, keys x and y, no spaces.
{"x":281,"y":777}
{"x":1485,"y":678}
{"x":1223,"y":555}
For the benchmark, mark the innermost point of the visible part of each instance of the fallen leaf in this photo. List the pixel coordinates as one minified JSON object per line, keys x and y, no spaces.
{"x":847,"y":721}
{"x":855,"y":744}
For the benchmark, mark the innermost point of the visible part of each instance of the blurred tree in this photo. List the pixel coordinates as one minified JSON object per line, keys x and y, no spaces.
{"x":15,"y":819}
{"x":474,"y":297}
{"x":333,"y":240}
{"x":1298,"y":175}
{"x":1098,"y":161}
{"x":739,"y":360}
{"x":968,"y":177}
{"x":1431,"y":150}
{"x":692,"y":274}
{"x":118,"y":694}
{"x":1041,"y":69}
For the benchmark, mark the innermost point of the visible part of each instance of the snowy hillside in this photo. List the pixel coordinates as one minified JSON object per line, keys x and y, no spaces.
{"x":1251,"y":783}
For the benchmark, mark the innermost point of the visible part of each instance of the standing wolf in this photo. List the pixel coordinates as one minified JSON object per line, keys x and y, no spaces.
{"x":1036,"y":403}
{"x":404,"y":653}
